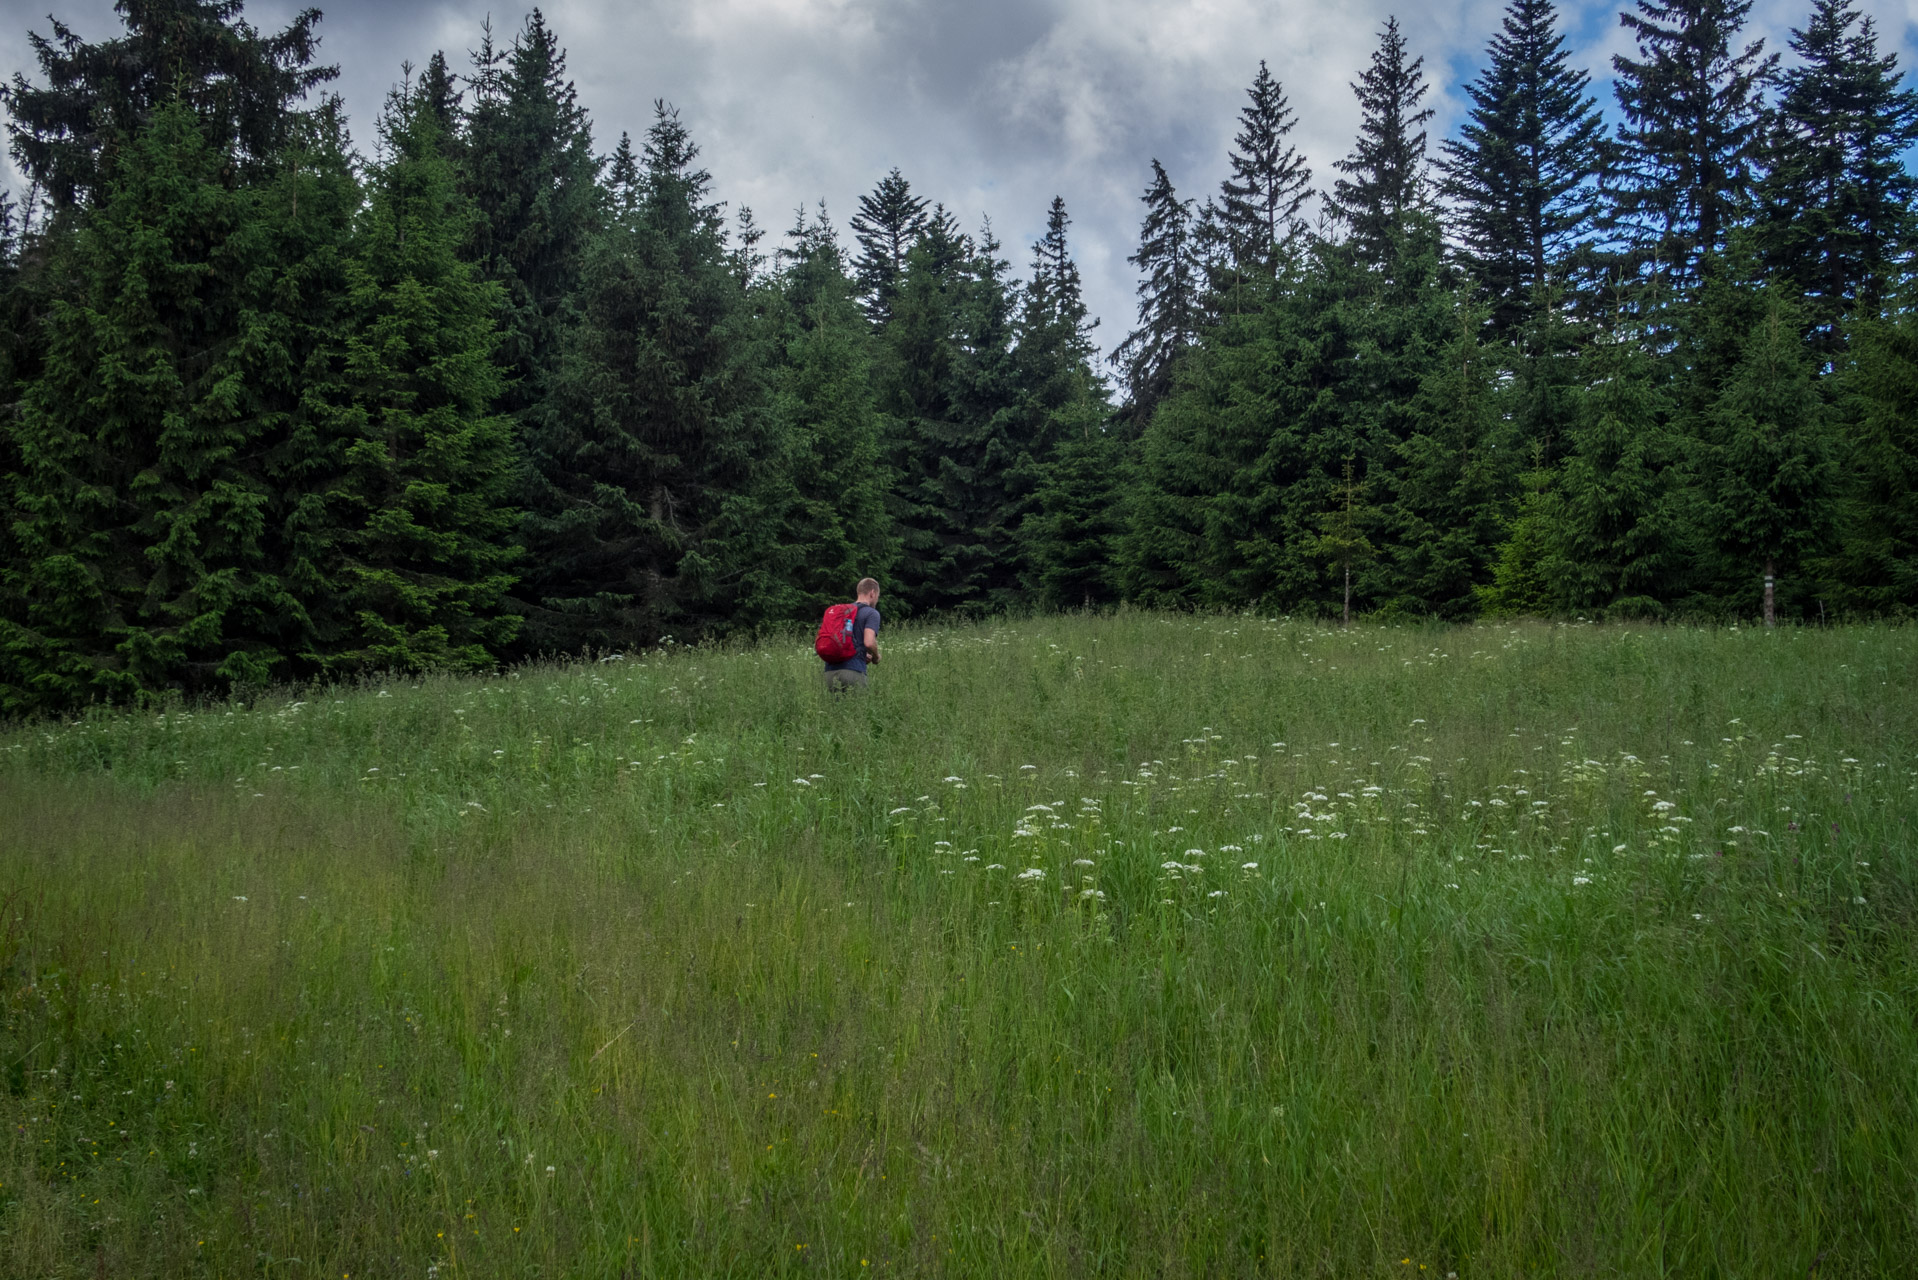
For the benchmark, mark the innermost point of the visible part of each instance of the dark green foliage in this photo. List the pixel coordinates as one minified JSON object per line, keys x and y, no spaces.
{"x":1761,"y":460}
{"x":826,"y":512}
{"x":1341,"y":540}
{"x":241,"y":86}
{"x":657,"y":419}
{"x":162,"y":450}
{"x":1835,"y":208}
{"x":1270,"y":182}
{"x":951,"y":392}
{"x":889,"y":223}
{"x":425,"y":471}
{"x":1247,"y":453}
{"x":1162,"y":560}
{"x":1385,"y":178}
{"x":1169,"y":309}
{"x":1874,"y":570}
{"x":443,"y":99}
{"x":1523,"y":578}
{"x":531,"y":174}
{"x":1072,"y":535}
{"x":1618,"y":542}
{"x":1522,"y":174}
{"x":1455,"y":479}
{"x":1691,"y":135}
{"x":1063,"y":485}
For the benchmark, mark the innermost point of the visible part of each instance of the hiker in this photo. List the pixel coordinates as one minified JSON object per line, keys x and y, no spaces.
{"x":849,"y":638}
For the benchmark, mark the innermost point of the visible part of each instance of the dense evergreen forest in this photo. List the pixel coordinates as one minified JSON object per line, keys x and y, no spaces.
{"x":280,"y":408}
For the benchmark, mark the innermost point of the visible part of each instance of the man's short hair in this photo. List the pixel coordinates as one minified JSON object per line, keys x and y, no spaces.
{"x":867,"y":585}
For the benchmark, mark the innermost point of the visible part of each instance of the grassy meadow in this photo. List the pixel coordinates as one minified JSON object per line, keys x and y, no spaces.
{"x":1127,"y":946}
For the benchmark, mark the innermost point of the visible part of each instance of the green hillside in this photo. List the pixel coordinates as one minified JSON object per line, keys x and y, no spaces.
{"x":1138,"y":945}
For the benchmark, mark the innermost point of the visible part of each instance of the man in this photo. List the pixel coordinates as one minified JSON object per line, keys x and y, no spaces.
{"x":851,"y":674}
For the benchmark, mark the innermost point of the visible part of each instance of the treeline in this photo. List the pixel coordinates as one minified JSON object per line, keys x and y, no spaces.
{"x":279,"y":410}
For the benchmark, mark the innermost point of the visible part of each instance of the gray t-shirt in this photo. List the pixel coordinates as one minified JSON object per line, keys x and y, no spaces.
{"x":867,"y":619}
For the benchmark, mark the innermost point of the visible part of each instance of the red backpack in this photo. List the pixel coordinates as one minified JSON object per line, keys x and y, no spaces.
{"x":835,"y":641}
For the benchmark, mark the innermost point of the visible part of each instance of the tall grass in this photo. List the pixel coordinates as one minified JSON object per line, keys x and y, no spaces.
{"x":1127,"y":946}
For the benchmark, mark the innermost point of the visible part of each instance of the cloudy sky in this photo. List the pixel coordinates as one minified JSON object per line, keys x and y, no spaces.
{"x":992,"y":106}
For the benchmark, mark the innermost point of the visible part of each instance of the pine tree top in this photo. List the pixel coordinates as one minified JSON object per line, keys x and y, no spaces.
{"x":1270,"y":181}
{"x":889,"y":222}
{"x":1386,"y":176}
{"x":1693,"y":109}
{"x":240,"y":84}
{"x":1521,"y":177}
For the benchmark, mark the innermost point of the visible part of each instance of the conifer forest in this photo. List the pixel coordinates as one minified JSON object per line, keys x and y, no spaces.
{"x":480,"y":384}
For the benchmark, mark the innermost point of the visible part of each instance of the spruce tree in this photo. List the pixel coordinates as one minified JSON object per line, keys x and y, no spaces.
{"x":1072,"y":534}
{"x":442,"y":97}
{"x":1763,"y":469}
{"x":1873,"y":570}
{"x":530,"y":172}
{"x":928,"y":445}
{"x":1341,"y":540}
{"x":952,"y":396}
{"x":425,"y":470}
{"x":1522,"y":175}
{"x":1061,"y":402}
{"x":242,"y":86}
{"x":890,"y":221}
{"x":1526,"y":577}
{"x":834,"y":527}
{"x":1621,"y":545}
{"x":1168,"y":300}
{"x":1693,"y":113}
{"x":641,"y":474}
{"x":1454,"y":480}
{"x":1161,"y":558}
{"x":1386,"y":179}
{"x":163,"y":440}
{"x":1270,"y":181}
{"x":1835,"y":204}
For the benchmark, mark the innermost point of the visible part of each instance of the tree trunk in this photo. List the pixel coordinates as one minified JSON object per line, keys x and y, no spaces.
{"x":1771,"y":617}
{"x":1348,"y":597}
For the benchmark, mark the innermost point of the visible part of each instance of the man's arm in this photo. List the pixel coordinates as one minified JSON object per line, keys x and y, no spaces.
{"x":872,"y":645}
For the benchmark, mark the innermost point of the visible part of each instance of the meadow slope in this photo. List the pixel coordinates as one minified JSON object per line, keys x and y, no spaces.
{"x":1134,"y":946}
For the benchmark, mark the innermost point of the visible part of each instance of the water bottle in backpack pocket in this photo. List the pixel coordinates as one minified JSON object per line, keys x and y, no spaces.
{"x":835,"y":642}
